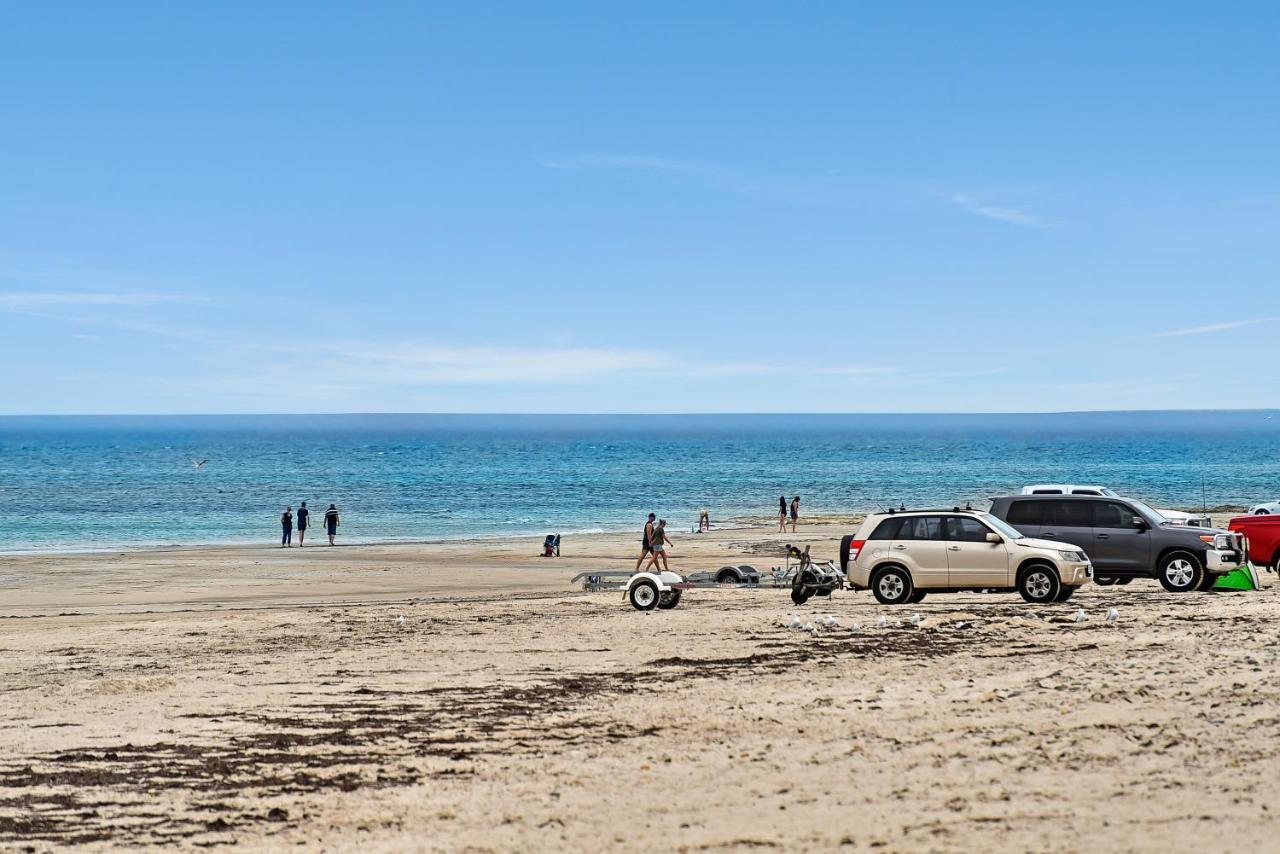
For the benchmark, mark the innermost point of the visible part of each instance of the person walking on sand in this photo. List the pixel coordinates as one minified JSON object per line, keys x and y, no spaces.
{"x":303,"y":513}
{"x":795,"y":512}
{"x":286,"y":528}
{"x":331,"y":522}
{"x":660,"y":543}
{"x":647,"y":543}
{"x":782,"y":513}
{"x":704,"y":521}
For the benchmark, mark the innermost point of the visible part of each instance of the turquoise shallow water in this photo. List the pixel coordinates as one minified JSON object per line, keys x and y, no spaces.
{"x":107,"y":482}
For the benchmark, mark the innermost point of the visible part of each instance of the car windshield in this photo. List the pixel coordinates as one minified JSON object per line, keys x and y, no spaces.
{"x":1004,"y":528}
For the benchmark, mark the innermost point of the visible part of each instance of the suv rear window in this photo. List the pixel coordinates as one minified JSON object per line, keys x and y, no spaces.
{"x":1068,"y":514}
{"x":1026,"y":513}
{"x":920,"y":528}
{"x":886,"y":530}
{"x":1046,"y":492}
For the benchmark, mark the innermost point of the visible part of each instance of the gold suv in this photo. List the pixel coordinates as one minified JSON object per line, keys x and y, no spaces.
{"x":901,"y":556}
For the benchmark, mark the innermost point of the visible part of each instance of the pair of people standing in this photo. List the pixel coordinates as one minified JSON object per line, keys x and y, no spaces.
{"x":783,"y":511}
{"x":655,"y":543}
{"x":304,"y":521}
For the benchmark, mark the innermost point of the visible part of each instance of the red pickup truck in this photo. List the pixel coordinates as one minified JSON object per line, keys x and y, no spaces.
{"x":1263,"y":534}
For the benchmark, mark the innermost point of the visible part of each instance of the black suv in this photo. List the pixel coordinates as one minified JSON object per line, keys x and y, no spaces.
{"x":1126,"y":539}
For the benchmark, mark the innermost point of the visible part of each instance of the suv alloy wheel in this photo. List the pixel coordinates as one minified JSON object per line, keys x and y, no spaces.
{"x":1039,"y":583}
{"x":1180,"y":572}
{"x":893,"y":586}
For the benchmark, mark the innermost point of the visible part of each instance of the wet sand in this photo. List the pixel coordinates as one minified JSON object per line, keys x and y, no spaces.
{"x":266,"y":699}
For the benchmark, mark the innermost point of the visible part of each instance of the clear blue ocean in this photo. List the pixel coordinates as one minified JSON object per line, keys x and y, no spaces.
{"x":97,"y":482}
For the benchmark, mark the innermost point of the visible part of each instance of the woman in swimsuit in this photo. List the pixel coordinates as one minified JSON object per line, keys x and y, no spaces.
{"x":795,"y":512}
{"x":660,"y":543}
{"x":782,"y":513}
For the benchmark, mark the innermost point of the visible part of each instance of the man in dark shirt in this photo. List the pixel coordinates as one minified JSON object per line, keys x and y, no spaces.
{"x":647,"y":546}
{"x":303,"y":513}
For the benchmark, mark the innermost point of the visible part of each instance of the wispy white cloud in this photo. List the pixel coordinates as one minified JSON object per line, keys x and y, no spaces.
{"x":718,"y":177}
{"x":42,"y":299}
{"x":413,"y":363}
{"x":1012,"y":216}
{"x":1214,"y":327}
{"x":857,"y":370}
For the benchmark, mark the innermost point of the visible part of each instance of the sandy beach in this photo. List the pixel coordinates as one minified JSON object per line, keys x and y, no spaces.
{"x":266,"y":699}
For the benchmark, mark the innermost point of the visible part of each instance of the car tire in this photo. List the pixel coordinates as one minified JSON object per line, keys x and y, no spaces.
{"x":917,"y":596}
{"x":1106,"y":581}
{"x":728,"y":575}
{"x":667,"y":601}
{"x":1206,"y":583}
{"x":643,"y":595}
{"x":892,"y":586}
{"x":1180,"y":572}
{"x":1065,"y":593}
{"x":1039,"y":584}
{"x":1261,"y":512}
{"x":1121,"y":582}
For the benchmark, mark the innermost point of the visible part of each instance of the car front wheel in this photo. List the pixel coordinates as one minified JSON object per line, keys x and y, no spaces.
{"x":1180,"y":572}
{"x":893,"y":586}
{"x":1065,"y":593}
{"x":1039,"y":584}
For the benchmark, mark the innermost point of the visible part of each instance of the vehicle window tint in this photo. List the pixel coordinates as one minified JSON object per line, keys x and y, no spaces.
{"x":1069,"y":514}
{"x":1026,"y":513}
{"x":966,"y":530}
{"x":1111,"y":515}
{"x":1085,"y":492}
{"x":920,"y":528}
{"x":885,"y":530}
{"x":1046,"y":492}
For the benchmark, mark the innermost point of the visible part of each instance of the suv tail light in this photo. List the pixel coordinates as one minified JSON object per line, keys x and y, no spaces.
{"x":855,"y":548}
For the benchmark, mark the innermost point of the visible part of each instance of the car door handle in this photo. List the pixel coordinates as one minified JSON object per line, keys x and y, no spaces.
{"x":955,"y":548}
{"x":1051,"y":535}
{"x":1104,"y":536}
{"x":900,"y":548}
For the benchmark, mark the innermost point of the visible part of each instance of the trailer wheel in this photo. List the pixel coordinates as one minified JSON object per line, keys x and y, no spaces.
{"x":727,"y":575}
{"x":669,"y":600}
{"x":643,"y":595}
{"x":799,"y":595}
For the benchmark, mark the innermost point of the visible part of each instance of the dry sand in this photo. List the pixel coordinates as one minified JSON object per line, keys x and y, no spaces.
{"x":264,"y":698}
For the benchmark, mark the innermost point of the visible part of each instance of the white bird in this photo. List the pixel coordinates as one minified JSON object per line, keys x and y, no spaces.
{"x":1112,"y":615}
{"x":854,"y":627}
{"x":1081,"y":616}
{"x":915,"y":619}
{"x":808,"y":627}
{"x":399,"y":621}
{"x":881,"y":622}
{"x":198,"y":464}
{"x":1033,"y":615}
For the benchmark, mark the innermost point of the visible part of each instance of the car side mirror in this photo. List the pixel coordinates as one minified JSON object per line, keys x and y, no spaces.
{"x":1140,"y":524}
{"x":994,"y":537}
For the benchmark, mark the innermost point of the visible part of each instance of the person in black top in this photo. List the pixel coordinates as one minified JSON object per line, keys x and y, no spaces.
{"x":303,"y":513}
{"x":331,"y":522}
{"x":286,"y":527}
{"x":647,"y":542}
{"x":795,"y":512}
{"x":782,"y":513}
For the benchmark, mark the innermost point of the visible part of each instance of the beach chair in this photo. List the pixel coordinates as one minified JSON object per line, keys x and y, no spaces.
{"x":551,"y":546}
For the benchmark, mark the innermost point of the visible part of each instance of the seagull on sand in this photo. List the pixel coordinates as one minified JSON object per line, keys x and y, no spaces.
{"x":399,"y":621}
{"x":1112,"y":616}
{"x":1081,"y":616}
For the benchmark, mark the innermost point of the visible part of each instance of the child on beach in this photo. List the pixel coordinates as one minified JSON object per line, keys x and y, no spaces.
{"x":331,"y":522}
{"x":660,"y":543}
{"x":286,"y":528}
{"x":646,"y":547}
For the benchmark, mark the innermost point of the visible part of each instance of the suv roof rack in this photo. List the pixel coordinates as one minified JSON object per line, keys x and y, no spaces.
{"x":968,"y":507}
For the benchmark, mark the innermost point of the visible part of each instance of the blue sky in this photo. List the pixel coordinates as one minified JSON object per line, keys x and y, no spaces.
{"x":671,"y":207}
